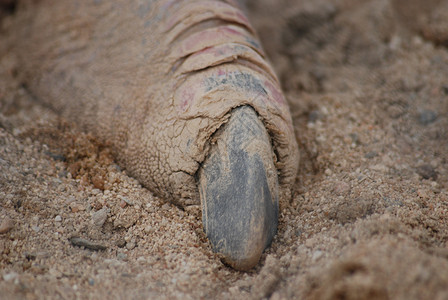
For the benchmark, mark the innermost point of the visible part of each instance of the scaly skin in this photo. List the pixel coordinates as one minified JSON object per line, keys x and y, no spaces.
{"x":154,"y":80}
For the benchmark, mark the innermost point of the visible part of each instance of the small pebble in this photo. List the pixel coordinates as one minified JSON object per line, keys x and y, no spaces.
{"x":121,"y":242}
{"x":130,"y":245}
{"x":141,"y":260}
{"x":122,"y":256}
{"x":126,"y":200}
{"x":427,"y":172}
{"x":77,"y":241}
{"x":309,"y":243}
{"x":70,"y":200}
{"x":314,"y":116}
{"x":395,"y":111}
{"x":6,"y":225}
{"x":75,"y":207}
{"x":56,"y":156}
{"x":30,"y":256}
{"x":113,"y":262}
{"x":148,"y":229}
{"x":58,"y":218}
{"x":316,"y":255}
{"x":427,"y":117}
{"x":100,"y":216}
{"x":55,"y":273}
{"x":10,"y":276}
{"x":341,"y":188}
{"x":422,"y":194}
{"x":63,"y":174}
{"x":91,"y":281}
{"x":355,"y":138}
{"x":371,"y":154}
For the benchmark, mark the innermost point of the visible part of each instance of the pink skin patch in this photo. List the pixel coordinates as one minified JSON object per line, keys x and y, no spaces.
{"x":221,"y":72}
{"x":187,"y":99}
{"x":220,"y":10}
{"x":216,"y":51}
{"x":220,"y":32}
{"x":232,"y":31}
{"x":277,"y":95}
{"x":208,"y":38}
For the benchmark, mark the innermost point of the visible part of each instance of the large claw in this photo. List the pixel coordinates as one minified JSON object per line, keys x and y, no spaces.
{"x":239,"y":190}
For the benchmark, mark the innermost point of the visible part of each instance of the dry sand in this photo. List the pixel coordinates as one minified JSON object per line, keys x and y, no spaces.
{"x":367,"y":82}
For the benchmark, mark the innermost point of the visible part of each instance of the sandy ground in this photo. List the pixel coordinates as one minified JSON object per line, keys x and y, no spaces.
{"x":367,"y":82}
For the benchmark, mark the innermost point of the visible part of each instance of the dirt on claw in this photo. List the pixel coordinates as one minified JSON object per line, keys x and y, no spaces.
{"x":238,"y":184}
{"x":362,"y":224}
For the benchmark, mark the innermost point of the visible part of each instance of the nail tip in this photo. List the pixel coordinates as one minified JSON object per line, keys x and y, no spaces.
{"x":239,"y":199}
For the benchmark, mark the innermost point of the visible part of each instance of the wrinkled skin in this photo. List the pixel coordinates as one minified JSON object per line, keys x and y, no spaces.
{"x":154,"y":80}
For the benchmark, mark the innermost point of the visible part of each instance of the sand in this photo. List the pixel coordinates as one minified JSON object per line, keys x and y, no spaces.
{"x":367,"y":83}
